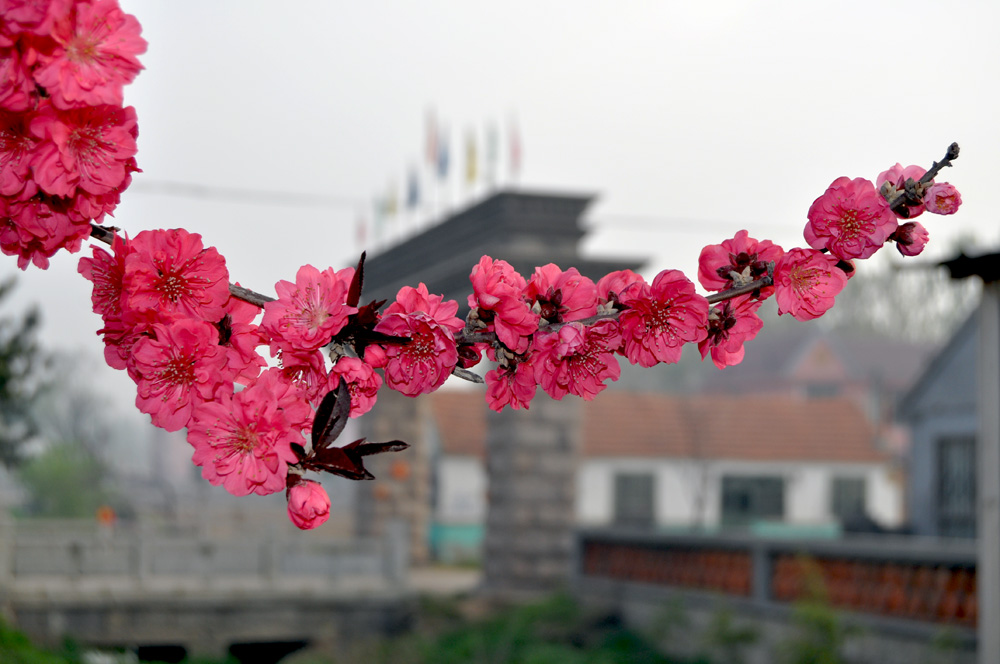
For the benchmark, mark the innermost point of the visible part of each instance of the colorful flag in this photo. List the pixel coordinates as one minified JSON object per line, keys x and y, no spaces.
{"x":391,"y":201}
{"x":471,"y":161}
{"x":361,"y":231}
{"x":442,"y":156}
{"x":412,"y":190}
{"x":515,"y":151}
{"x":491,"y":153}
{"x":431,"y":150}
{"x":378,"y":216}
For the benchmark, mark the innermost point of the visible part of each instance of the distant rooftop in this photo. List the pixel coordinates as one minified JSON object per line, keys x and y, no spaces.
{"x":622,"y":424}
{"x":526,"y":229}
{"x":807,"y":353}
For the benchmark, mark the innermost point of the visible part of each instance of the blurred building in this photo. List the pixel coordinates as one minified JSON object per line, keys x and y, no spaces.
{"x":941,"y":411}
{"x":778,"y":465}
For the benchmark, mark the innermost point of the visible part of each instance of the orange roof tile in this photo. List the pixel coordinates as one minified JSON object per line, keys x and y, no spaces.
{"x":715,"y":427}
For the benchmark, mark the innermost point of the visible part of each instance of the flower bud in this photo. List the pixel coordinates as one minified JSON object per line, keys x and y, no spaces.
{"x":911,"y":237}
{"x":308,"y":505}
{"x":942,"y":198}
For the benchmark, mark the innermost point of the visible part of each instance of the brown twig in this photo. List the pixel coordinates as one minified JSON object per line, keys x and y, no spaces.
{"x":912,"y":189}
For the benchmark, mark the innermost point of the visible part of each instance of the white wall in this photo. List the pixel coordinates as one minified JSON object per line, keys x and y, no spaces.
{"x":461,"y":490}
{"x":680,"y":483}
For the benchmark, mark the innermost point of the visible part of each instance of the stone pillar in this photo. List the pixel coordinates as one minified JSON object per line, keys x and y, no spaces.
{"x":988,"y":452}
{"x":402,"y":488}
{"x":531,"y":461}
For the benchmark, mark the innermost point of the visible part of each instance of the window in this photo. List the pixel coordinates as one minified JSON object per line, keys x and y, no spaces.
{"x":956,"y":496}
{"x":634,"y":499}
{"x":748,"y":499}
{"x":847,"y":498}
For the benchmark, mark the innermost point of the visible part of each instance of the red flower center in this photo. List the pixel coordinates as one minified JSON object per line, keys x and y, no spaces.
{"x":177,"y":371}
{"x":172,"y":286}
{"x":82,"y":49}
{"x":244,"y":440}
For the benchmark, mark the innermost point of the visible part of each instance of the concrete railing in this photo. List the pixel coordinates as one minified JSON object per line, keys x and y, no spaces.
{"x":927,"y":580}
{"x":901,"y":597}
{"x":39,"y":553}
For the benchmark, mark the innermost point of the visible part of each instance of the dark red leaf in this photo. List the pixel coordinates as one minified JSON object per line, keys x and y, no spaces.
{"x":354,"y":292}
{"x":331,"y":416}
{"x":363,"y":448}
{"x":337,"y":461}
{"x":368,"y":314}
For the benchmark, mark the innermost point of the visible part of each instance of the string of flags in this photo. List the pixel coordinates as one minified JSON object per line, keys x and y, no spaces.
{"x":429,"y":187}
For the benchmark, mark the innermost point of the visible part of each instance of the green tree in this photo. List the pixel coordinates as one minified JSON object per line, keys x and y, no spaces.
{"x":69,"y":475}
{"x":21,"y":361}
{"x":65,"y":480}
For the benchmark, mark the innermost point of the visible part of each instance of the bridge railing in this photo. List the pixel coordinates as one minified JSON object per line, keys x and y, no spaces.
{"x":37,"y":555}
{"x":930,"y":581}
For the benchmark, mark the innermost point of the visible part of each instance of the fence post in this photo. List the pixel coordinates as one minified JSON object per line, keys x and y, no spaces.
{"x":8,"y":539}
{"x":760,"y":580}
{"x":988,"y":443}
{"x":395,"y":552}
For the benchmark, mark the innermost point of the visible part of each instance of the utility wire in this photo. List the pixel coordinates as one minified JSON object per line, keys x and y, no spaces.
{"x":237,"y":195}
{"x":653,"y":223}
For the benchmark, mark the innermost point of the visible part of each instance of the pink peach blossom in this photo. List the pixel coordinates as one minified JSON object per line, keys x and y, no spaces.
{"x":287,"y":397}
{"x":851,"y":219}
{"x":806,"y":282}
{"x":730,"y":325}
{"x":107,"y":272}
{"x":243,"y":442}
{"x":121,"y":332}
{"x":178,"y":369}
{"x":911,"y":237}
{"x":577,"y":359}
{"x":612,"y":285}
{"x":561,"y":295}
{"x":306,"y":372}
{"x":35,"y":229}
{"x":897,"y":177}
{"x":34,"y":16}
{"x":171,"y":272}
{"x":94,"y":56}
{"x":423,"y":364}
{"x":308,"y":504}
{"x":512,"y":386}
{"x":662,"y":317}
{"x":17,"y":89}
{"x":362,"y":382}
{"x":308,"y":313}
{"x":91,"y":148}
{"x":17,"y":147}
{"x":411,"y":300}
{"x":742,"y":255}
{"x":239,"y":339}
{"x":942,"y":198}
{"x":498,"y":294}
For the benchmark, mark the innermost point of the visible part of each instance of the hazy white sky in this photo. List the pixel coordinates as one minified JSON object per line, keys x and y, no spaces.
{"x":698,"y":118}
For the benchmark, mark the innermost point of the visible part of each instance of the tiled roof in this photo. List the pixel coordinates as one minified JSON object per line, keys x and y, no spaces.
{"x":795,"y":355}
{"x":720,"y":427}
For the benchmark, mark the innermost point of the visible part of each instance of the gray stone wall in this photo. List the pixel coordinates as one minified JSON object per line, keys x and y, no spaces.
{"x":401,"y":492}
{"x":531,"y":459}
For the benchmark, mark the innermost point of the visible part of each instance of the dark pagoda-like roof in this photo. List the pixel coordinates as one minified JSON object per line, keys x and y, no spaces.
{"x":526,"y":229}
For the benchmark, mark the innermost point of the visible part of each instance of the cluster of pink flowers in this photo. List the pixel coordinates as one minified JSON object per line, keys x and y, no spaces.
{"x":170,"y":321}
{"x":67,"y":146}
{"x":852,"y":219}
{"x":67,"y":150}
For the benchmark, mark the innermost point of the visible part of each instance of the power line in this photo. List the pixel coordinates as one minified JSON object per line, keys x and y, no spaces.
{"x":653,"y":223}
{"x":237,"y":195}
